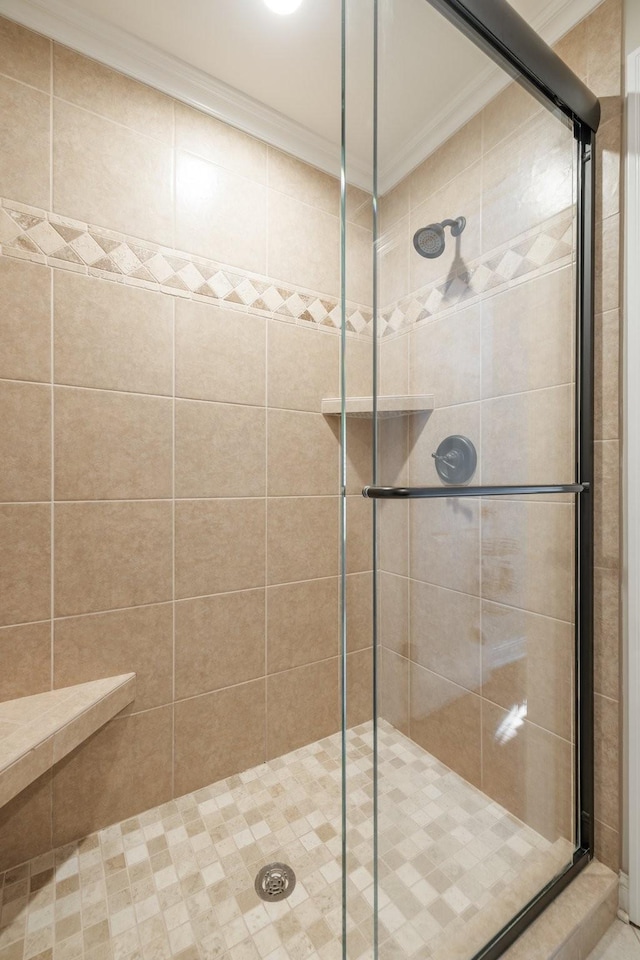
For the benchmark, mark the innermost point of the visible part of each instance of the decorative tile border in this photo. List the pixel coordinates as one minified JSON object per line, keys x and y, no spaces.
{"x":33,"y":234}
{"x":48,"y":238}
{"x":524,"y":258}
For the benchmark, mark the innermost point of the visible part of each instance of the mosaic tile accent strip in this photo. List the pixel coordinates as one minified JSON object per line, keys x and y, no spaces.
{"x":69,"y":244}
{"x":177,"y":881}
{"x":27,"y":232}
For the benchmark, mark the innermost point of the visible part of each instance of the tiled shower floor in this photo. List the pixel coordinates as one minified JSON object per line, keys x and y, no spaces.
{"x":178,"y":879}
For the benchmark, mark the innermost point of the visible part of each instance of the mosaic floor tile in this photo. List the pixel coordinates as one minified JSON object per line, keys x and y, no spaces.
{"x":178,"y":880}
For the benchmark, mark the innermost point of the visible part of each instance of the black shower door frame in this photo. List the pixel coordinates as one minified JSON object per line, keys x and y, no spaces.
{"x":513,"y":44}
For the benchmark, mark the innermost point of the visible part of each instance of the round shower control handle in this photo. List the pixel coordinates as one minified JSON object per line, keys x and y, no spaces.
{"x":456,"y":460}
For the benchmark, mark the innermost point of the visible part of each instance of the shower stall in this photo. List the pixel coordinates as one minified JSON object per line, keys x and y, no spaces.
{"x":319,"y":471}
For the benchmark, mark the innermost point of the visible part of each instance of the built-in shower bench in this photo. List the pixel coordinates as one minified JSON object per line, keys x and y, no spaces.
{"x":37,"y":731}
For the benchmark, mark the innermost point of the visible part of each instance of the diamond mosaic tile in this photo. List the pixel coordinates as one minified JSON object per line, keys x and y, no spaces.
{"x":177,"y":881}
{"x":48,"y":238}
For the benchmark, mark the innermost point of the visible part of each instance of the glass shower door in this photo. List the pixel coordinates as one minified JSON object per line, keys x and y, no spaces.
{"x":474,"y":496}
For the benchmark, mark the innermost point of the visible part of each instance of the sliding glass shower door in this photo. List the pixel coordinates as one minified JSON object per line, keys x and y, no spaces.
{"x":479,"y":496}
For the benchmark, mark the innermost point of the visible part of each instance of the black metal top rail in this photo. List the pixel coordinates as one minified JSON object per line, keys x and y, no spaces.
{"x":435,"y":493}
{"x":499,"y":29}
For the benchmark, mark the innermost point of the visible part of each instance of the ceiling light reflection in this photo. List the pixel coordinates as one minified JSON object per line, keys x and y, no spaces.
{"x":511,"y":723}
{"x":283,"y":6}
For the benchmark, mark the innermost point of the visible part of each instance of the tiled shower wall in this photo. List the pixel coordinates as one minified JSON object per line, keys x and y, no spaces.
{"x":495,"y":349}
{"x":169,"y":489}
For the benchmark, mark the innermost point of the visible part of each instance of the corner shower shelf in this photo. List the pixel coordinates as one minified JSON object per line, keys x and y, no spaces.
{"x":387,"y":407}
{"x":37,"y":731}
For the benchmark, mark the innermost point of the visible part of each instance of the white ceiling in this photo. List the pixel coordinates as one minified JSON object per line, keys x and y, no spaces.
{"x":279,"y":76}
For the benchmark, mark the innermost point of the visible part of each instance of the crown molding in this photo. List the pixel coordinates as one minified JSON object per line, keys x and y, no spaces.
{"x":552,"y":22}
{"x":91,"y":36}
{"x":115,"y":47}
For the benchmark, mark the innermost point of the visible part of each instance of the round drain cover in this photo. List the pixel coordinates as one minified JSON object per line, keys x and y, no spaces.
{"x":275,"y":882}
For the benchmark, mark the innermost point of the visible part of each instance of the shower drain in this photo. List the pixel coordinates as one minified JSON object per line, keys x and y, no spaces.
{"x":275,"y":882}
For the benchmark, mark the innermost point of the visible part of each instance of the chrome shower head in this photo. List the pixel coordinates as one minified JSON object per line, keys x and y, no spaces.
{"x":429,"y":241}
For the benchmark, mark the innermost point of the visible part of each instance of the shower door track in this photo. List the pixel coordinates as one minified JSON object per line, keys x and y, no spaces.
{"x":495,"y":27}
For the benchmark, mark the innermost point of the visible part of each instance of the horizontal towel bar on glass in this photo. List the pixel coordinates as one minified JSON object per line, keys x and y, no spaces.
{"x":434,"y":493}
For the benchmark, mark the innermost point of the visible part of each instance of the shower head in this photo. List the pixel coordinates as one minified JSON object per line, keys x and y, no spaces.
{"x":429,"y":240}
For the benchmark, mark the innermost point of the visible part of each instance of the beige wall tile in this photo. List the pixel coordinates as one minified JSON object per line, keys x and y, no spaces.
{"x":359,"y":207}
{"x":25,"y":563}
{"x":529,"y":438}
{"x":445,"y":720}
{"x":393,"y":690}
{"x":359,"y":534}
{"x":445,"y":633}
{"x":303,"y":367}
{"x":311,"y":694}
{"x":393,"y":450}
{"x":359,"y":264}
{"x":210,"y":742}
{"x":303,"y":182}
{"x":220,"y":354}
{"x":535,"y":165}
{"x":393,"y":537}
{"x":110,"y":555}
{"x":359,"y":449}
{"x":359,"y":611}
{"x":220,"y":214}
{"x":607,"y":265}
{"x":607,"y":846}
{"x":533,"y":325}
{"x":393,"y":612}
{"x":220,"y":143}
{"x":511,"y":772}
{"x":303,"y":455}
{"x":25,"y":824}
{"x":110,"y":175}
{"x":393,"y":365}
{"x":427,"y":431}
{"x":25,"y":56}
{"x":137,"y":641}
{"x":219,"y":641}
{"x":220,"y":450}
{"x":573,"y":49}
{"x":529,"y":659}
{"x":394,"y":251}
{"x":604,"y":49}
{"x":25,"y":319}
{"x":302,"y":538}
{"x":609,"y":173}
{"x":124,"y":768}
{"x":607,"y":632}
{"x":25,"y":654}
{"x":25,"y":133}
{"x":455,"y":526}
{"x":97,"y":345}
{"x":527,"y":556}
{"x":607,"y":761}
{"x":95,"y":87}
{"x":25,"y":443}
{"x":513,"y":107}
{"x":444,"y":358}
{"x":607,"y":376}
{"x":219,"y":546}
{"x":456,"y":154}
{"x":111,"y":446}
{"x":304,"y":244}
{"x":459,"y":197}
{"x":302,"y":623}
{"x":395,"y":204}
{"x":607,"y":504}
{"x":359,"y":687}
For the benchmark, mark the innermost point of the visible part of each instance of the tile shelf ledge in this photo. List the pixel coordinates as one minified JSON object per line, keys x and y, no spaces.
{"x":388,"y":406}
{"x":38,"y":731}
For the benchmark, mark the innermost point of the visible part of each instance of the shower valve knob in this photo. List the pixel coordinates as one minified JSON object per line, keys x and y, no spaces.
{"x":455,"y":459}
